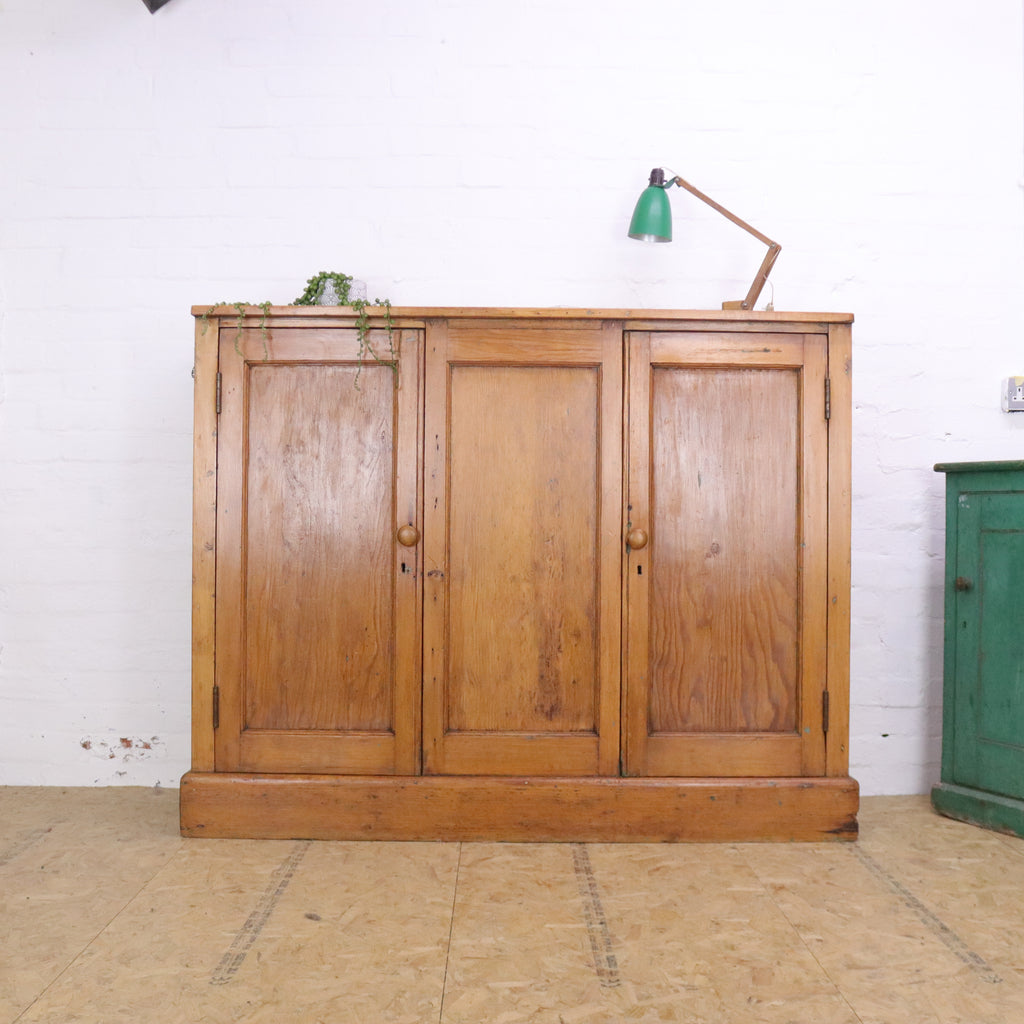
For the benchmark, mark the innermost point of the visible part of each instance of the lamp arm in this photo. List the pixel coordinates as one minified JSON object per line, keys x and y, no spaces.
{"x":758,"y":283}
{"x":766,"y":264}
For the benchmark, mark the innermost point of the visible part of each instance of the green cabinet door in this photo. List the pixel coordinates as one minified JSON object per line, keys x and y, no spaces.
{"x":983,"y":698}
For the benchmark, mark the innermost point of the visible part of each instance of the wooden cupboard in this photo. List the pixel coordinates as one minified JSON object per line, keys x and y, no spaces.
{"x":544,"y":574}
{"x":983,"y":693}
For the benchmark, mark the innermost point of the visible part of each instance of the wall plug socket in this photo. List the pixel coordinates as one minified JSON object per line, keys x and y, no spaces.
{"x":1013,"y":394}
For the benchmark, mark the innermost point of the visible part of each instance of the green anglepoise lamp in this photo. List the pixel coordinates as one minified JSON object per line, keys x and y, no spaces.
{"x":652,"y":222}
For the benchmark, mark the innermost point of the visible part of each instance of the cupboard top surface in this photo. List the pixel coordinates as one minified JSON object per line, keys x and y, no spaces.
{"x":420,"y":313}
{"x":1006,"y":466}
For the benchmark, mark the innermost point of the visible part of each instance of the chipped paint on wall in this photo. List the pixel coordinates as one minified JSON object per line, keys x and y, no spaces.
{"x":124,"y":748}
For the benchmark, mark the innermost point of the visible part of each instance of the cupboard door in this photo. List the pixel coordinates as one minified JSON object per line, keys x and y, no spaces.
{"x":987,"y":644}
{"x":726,"y":601}
{"x":317,"y":618}
{"x":522,"y":524}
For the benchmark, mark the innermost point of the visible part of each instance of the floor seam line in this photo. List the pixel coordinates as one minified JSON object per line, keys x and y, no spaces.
{"x":939,"y":929}
{"x":803,"y":942}
{"x":88,"y":945}
{"x":451,"y":932}
{"x":246,"y":937}
{"x":602,"y":946}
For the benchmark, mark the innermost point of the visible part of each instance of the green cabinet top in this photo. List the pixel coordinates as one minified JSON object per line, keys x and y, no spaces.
{"x":979,"y":467}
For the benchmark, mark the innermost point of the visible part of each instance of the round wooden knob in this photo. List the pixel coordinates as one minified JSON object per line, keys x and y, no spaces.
{"x":637,"y":539}
{"x":408,"y":536}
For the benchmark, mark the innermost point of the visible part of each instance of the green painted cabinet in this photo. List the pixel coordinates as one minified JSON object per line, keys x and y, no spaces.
{"x":983,"y":690}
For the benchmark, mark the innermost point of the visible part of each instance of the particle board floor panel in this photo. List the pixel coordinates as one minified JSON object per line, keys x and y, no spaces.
{"x":70,"y":862}
{"x":107,"y":915}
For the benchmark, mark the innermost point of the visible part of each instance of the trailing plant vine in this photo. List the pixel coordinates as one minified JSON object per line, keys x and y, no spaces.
{"x":241,"y":308}
{"x":342,"y":284}
{"x":313,"y":295}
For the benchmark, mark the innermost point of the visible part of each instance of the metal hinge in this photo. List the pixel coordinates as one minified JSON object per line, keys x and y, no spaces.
{"x":824,"y":711}
{"x":216,"y":707}
{"x":218,"y":394}
{"x":828,"y":398}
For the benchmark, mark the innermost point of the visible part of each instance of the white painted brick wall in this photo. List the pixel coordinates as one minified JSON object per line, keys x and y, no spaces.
{"x":468,"y":152}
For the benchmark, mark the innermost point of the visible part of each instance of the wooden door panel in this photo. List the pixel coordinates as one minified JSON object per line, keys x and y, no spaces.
{"x":522,"y":517}
{"x":724,"y":598}
{"x":318,"y":541}
{"x":988,"y":743}
{"x":725,"y":605}
{"x":722,"y":754}
{"x":317,"y":602}
{"x":522,"y":576}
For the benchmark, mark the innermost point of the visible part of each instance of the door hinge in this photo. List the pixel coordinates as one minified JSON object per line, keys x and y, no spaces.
{"x":216,"y":707}
{"x":824,"y":711}
{"x":218,"y":393}
{"x":828,"y":398}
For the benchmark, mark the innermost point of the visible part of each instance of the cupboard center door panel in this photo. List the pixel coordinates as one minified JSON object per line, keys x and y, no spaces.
{"x":317,"y":601}
{"x":522,"y":610}
{"x":725,"y":629}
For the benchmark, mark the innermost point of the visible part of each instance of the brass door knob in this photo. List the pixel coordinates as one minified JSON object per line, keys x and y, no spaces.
{"x":636,"y":539}
{"x":408,"y":536}
{"x":963,"y":583}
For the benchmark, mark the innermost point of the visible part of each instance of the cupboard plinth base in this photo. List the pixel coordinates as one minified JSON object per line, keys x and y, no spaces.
{"x":221,"y":805}
{"x":978,"y":807}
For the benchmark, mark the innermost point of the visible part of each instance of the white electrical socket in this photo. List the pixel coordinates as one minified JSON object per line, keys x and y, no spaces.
{"x":1013,"y":394}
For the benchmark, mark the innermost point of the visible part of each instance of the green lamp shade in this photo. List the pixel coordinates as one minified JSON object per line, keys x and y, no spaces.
{"x":652,"y":218}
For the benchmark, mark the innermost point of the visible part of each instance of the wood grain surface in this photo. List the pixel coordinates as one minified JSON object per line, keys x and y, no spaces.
{"x":317,"y":471}
{"x":725,"y":605}
{"x":518,"y":809}
{"x":522,"y":580}
{"x":602,"y":556}
{"x":522,"y":517}
{"x":318,"y":551}
{"x":725,"y":599}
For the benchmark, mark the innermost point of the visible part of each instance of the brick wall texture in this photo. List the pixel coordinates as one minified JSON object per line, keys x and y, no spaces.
{"x":474,"y":153}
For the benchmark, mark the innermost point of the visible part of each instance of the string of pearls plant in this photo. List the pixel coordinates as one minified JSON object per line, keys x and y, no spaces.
{"x":320,"y":288}
{"x":241,"y":308}
{"x":327,"y":288}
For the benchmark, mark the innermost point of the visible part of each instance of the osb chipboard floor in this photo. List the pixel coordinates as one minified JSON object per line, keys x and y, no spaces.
{"x":107,"y":915}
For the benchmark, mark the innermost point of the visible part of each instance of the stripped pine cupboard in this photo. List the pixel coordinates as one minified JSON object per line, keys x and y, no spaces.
{"x":547,"y":574}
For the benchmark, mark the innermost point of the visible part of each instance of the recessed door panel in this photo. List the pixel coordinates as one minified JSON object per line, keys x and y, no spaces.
{"x":317,"y":546}
{"x":724,"y":566}
{"x":988,"y":741}
{"x":522,"y":576}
